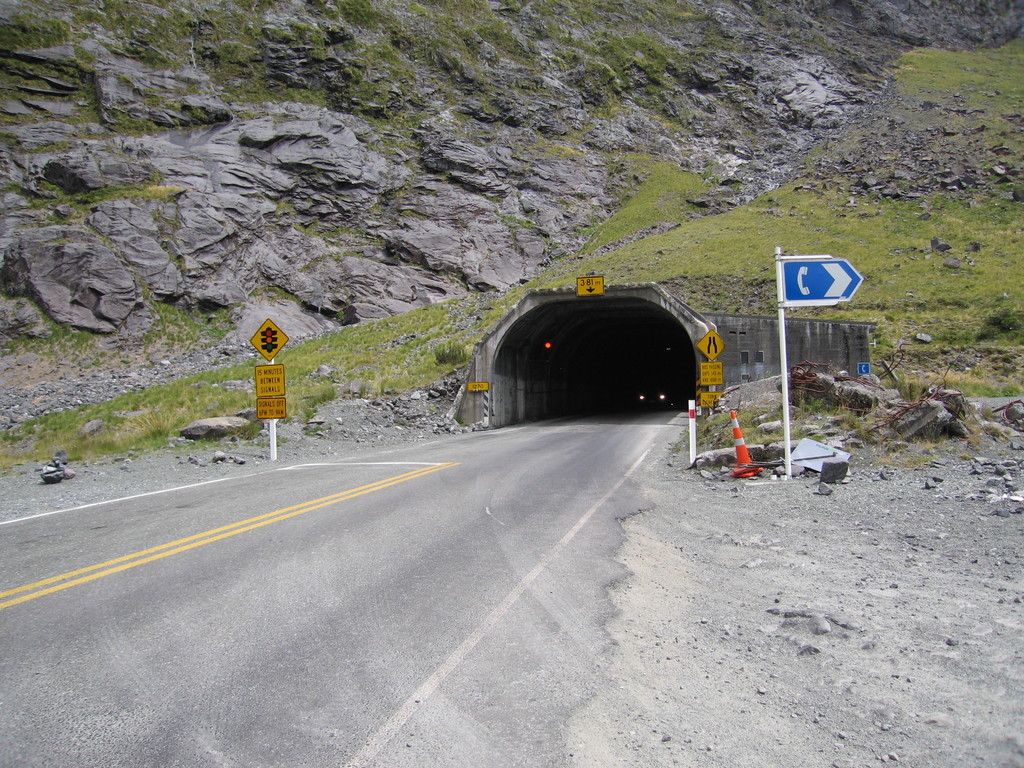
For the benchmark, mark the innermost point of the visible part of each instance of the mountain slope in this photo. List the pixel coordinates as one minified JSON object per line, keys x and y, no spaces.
{"x":170,"y":171}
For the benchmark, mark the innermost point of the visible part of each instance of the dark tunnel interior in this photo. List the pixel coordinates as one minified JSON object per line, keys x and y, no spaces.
{"x":597,"y":356}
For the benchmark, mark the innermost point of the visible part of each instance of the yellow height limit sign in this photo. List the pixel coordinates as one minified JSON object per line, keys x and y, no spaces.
{"x":712,"y":374}
{"x":590,"y":286}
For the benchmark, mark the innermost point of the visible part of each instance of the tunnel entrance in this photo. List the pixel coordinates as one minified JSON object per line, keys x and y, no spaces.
{"x":557,"y":354}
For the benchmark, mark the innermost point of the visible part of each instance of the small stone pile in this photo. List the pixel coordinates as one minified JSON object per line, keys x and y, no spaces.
{"x":939,"y":414}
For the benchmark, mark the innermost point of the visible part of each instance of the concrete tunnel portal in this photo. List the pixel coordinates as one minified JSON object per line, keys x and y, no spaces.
{"x":557,"y":354}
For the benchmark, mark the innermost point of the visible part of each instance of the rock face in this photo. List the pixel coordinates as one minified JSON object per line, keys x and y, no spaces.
{"x":74,"y":276}
{"x":169,"y":159}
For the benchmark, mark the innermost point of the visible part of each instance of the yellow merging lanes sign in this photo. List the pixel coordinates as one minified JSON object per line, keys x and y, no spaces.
{"x":711,"y":345}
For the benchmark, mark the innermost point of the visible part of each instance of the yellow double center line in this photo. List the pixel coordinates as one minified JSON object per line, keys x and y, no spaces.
{"x":118,"y":564}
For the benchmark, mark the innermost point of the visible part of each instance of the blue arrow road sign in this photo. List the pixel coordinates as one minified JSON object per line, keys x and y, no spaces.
{"x":818,"y":281}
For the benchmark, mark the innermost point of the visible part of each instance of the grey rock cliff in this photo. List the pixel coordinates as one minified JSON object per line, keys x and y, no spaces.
{"x":141,"y":167}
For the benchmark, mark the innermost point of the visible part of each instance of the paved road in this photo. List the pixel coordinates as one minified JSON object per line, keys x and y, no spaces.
{"x":435,"y":606}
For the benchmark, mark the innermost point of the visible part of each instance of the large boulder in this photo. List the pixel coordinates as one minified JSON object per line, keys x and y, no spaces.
{"x":214,"y":428}
{"x":20,"y":317}
{"x":943,"y":414}
{"x":808,"y":91}
{"x":92,"y":167}
{"x":476,"y":167}
{"x":455,"y":232}
{"x":378,"y":289}
{"x":338,"y":177}
{"x":75,"y":277}
{"x":862,"y":395}
{"x":1013,"y":413}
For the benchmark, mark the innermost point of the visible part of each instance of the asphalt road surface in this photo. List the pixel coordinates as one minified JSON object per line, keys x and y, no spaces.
{"x":441,"y":605}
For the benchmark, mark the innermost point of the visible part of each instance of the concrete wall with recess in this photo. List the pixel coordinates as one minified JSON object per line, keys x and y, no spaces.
{"x":752,"y":345}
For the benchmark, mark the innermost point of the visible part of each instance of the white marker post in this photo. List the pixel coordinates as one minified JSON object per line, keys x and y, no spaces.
{"x":693,"y":432}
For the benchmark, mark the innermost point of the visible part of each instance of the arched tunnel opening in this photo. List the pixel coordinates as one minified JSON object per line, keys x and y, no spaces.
{"x":600,"y":355}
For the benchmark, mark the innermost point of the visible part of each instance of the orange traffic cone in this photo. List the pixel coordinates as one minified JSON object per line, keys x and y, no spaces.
{"x":743,"y":459}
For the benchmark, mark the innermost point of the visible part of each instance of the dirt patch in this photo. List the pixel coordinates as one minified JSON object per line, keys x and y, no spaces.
{"x":767,"y":625}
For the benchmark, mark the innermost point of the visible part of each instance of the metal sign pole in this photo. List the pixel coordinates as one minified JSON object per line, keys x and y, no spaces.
{"x":784,"y":360}
{"x":273,"y":432}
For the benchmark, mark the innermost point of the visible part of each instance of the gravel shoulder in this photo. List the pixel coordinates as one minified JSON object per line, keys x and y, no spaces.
{"x":342,"y":428}
{"x":764,"y":624}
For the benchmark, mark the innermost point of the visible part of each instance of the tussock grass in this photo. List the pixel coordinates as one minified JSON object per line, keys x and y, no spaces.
{"x":905,"y":283}
{"x":450,"y":353}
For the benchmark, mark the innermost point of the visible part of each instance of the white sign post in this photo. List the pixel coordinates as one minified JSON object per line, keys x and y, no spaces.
{"x":268,"y":341}
{"x":807,"y":281}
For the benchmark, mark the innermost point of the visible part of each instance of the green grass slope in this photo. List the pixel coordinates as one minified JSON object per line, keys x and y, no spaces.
{"x":941,"y":255}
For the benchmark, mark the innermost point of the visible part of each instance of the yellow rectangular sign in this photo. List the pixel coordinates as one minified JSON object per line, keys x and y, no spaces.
{"x":271,"y":408}
{"x":269,"y":380}
{"x":712,"y":374}
{"x":708,"y":399}
{"x":590,"y":286}
{"x":478,"y":386}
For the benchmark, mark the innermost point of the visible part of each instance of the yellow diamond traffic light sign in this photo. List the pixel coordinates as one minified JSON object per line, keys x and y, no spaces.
{"x":269,"y":339}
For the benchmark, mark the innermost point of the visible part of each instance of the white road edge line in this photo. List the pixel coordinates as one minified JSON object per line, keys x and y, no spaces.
{"x":403,"y":714}
{"x":217,"y":480}
{"x":112,"y":501}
